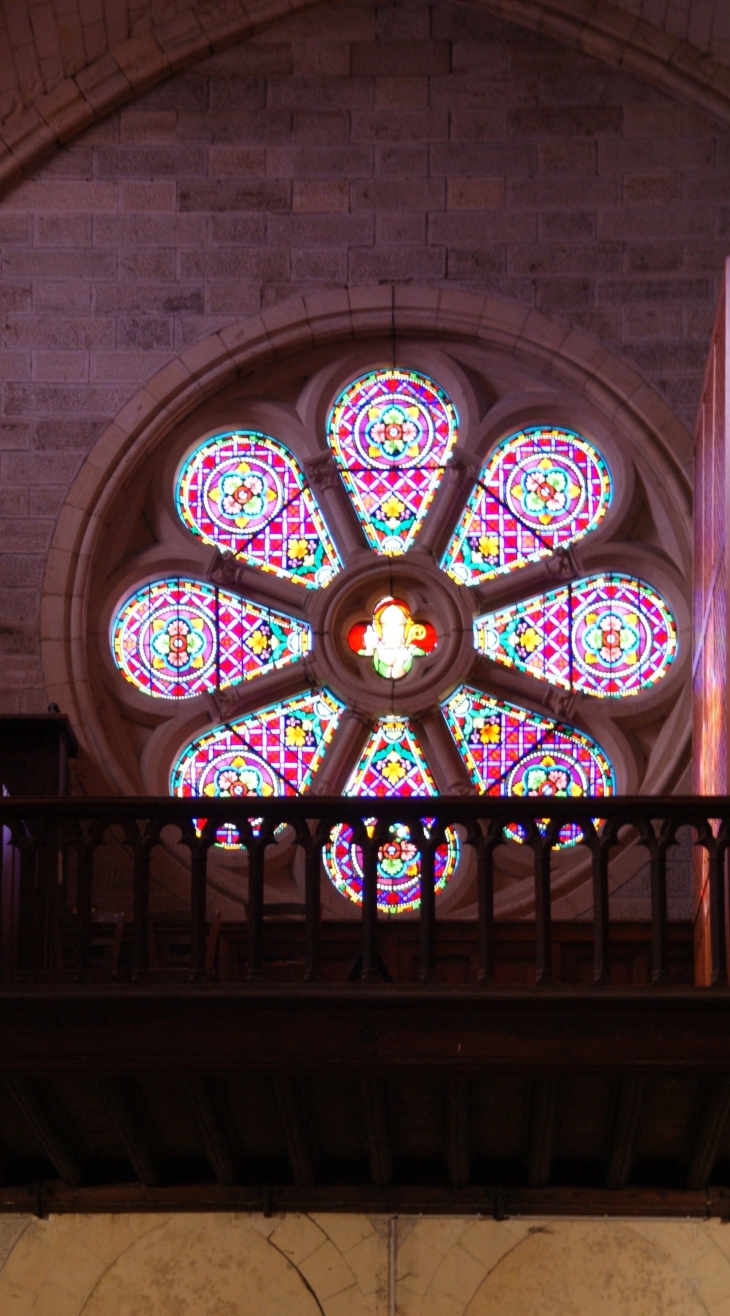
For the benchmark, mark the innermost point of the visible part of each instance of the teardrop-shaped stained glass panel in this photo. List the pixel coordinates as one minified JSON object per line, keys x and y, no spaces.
{"x":542,"y":489}
{"x":273,"y":752}
{"x":245,"y":492}
{"x":610,"y":635}
{"x":392,"y":433}
{"x":392,"y":763}
{"x":509,"y":750}
{"x":176,"y":638}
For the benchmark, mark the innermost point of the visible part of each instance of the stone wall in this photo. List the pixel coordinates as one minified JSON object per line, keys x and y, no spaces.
{"x":349,"y":145}
{"x":330,"y":1265}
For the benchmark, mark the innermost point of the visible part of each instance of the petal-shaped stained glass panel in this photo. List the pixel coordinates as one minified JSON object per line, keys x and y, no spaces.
{"x":273,"y":752}
{"x":176,"y":638}
{"x":246,"y":493}
{"x":392,"y":763}
{"x":608,"y":635}
{"x":392,"y":433}
{"x":509,"y":750}
{"x":542,"y":489}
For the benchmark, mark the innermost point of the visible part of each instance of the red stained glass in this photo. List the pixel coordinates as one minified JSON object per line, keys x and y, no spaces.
{"x":511,"y":751}
{"x":392,"y":763}
{"x":608,"y":635}
{"x":392,"y":433}
{"x":246,"y":493}
{"x":541,"y":490}
{"x":176,"y":638}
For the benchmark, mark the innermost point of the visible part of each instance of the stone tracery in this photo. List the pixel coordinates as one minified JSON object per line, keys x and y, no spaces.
{"x":542,"y":489}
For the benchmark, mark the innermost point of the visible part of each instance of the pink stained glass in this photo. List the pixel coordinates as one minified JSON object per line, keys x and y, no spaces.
{"x":246,"y":493}
{"x":392,"y":763}
{"x":509,"y":750}
{"x":392,"y":433}
{"x":273,"y":752}
{"x":610,"y":635}
{"x":541,"y":490}
{"x":177,"y":638}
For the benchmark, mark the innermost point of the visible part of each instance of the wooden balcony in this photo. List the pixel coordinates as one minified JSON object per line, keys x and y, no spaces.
{"x":158,"y":1053}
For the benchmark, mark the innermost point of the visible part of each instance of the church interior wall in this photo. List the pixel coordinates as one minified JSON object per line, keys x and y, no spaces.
{"x":347,"y":146}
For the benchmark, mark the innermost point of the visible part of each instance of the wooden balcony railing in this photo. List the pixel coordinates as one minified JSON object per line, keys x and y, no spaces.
{"x":56,"y":853}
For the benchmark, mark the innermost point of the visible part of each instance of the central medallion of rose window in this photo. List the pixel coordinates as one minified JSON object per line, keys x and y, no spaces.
{"x":392,"y":638}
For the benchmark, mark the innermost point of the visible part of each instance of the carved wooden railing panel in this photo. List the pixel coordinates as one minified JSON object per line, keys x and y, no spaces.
{"x":56,"y":850}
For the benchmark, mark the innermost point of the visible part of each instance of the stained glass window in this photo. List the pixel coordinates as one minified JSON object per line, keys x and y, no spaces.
{"x":541,"y":490}
{"x":392,"y":433}
{"x":392,"y":639}
{"x":273,"y":752}
{"x":175,"y":638}
{"x":246,"y":493}
{"x":392,"y":763}
{"x":607,"y":635}
{"x":512,"y":751}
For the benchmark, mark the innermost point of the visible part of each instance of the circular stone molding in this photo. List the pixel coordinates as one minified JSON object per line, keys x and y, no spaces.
{"x":630,"y":412}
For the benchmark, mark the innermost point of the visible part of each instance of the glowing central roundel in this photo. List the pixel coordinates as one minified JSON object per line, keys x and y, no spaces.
{"x":392,"y":638}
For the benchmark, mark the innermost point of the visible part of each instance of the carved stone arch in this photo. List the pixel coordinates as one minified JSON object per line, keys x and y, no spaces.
{"x":56,"y":98}
{"x":628,"y":407}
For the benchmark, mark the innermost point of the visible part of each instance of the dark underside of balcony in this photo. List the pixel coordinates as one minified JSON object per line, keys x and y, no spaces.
{"x":451,"y":1097}
{"x":167,"y":1059}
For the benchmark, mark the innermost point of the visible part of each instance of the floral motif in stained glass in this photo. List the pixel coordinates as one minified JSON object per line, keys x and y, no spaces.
{"x":392,"y":433}
{"x":541,"y":490}
{"x":273,"y":752}
{"x":246,"y":493}
{"x":509,"y":750}
{"x":607,"y":635}
{"x":392,"y":763}
{"x":176,"y":638}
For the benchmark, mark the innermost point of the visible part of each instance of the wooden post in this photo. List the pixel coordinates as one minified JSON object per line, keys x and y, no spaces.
{"x":711,"y":729}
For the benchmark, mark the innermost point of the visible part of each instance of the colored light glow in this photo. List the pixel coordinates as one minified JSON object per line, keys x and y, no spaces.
{"x":392,"y":639}
{"x":609,"y":635}
{"x":392,"y":763}
{"x":177,"y":638}
{"x":509,"y":750}
{"x":270,"y":753}
{"x":392,"y":433}
{"x":541,"y":490}
{"x":245,"y":492}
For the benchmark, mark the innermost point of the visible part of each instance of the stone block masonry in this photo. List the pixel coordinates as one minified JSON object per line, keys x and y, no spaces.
{"x":353,"y":144}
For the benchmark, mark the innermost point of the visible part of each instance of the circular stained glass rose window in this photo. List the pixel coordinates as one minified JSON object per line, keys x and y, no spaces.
{"x":392,"y":434}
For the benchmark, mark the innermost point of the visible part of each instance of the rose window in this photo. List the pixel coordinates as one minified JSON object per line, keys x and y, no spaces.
{"x":381,"y":639}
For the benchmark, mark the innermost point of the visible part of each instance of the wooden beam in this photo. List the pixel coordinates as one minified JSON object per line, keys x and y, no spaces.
{"x":377,"y":1127}
{"x":431,"y":1199}
{"x":123,"y":1106}
{"x":50,"y":1124}
{"x":301,"y":1156}
{"x":457,"y":1131}
{"x":624,"y":1128}
{"x":712,"y":1123}
{"x":211,"y":1130}
{"x":542,"y":1129}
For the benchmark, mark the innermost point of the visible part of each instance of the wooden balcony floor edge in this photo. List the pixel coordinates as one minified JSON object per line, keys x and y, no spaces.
{"x":487,"y":1200}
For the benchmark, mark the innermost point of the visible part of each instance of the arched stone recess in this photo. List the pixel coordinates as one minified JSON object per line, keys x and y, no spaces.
{"x":44,"y":120}
{"x":196,"y":1265}
{"x":629,"y":411}
{"x":562,"y":1268}
{"x":338,"y":1265}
